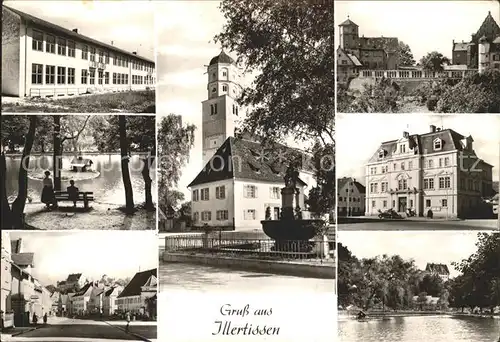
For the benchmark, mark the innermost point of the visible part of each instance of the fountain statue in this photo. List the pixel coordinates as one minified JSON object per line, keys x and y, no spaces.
{"x":290,"y":226}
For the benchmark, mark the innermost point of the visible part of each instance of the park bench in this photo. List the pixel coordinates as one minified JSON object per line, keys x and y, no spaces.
{"x":84,"y":196}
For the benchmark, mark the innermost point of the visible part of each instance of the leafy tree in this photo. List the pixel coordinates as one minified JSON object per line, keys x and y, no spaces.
{"x":434,"y":61}
{"x":431,"y":284}
{"x":292,"y":44}
{"x":321,"y":198}
{"x":14,"y":128}
{"x":381,"y":97}
{"x":405,"y":55}
{"x":174,"y":142}
{"x":478,"y":93}
{"x":13,"y":217}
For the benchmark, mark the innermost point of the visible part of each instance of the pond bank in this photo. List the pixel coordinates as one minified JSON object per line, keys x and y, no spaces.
{"x":101,"y":216}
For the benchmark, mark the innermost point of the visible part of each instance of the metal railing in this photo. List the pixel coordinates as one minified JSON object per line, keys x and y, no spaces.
{"x":312,"y":250}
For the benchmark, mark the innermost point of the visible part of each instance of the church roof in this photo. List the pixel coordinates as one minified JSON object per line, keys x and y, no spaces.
{"x":239,"y":158}
{"x":489,"y":28}
{"x":222,"y":57}
{"x":348,"y":22}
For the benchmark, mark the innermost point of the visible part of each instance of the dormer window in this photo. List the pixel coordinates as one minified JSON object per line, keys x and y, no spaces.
{"x":438,"y":144}
{"x":381,"y":154}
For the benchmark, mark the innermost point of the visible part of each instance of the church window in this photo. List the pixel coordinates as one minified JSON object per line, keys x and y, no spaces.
{"x":213,"y":109}
{"x":214,"y":90}
{"x":224,"y":73}
{"x":224,"y":88}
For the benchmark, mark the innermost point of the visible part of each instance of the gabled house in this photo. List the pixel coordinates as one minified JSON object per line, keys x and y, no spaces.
{"x":438,"y":269}
{"x":141,"y":287}
{"x":109,"y":305}
{"x":350,"y":197}
{"x":80,"y":300}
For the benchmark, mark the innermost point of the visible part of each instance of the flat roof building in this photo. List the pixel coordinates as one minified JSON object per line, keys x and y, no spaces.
{"x":41,"y":59}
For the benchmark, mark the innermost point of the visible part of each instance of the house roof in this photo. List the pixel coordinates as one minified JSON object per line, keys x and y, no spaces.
{"x":354,"y":59}
{"x":348,"y":22}
{"x":74,"y":277}
{"x":241,"y":158}
{"x":15,"y":246}
{"x":110,"y":291}
{"x":23,"y":259}
{"x":86,"y":289}
{"x":343,"y":181}
{"x":488,"y":29}
{"x":388,"y":44}
{"x":423,"y":143}
{"x":222,"y":57}
{"x":72,"y":34}
{"x":440,"y":269}
{"x":133,"y":288}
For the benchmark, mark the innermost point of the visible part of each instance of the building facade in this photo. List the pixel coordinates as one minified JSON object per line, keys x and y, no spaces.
{"x":437,"y":172}
{"x":350,"y":197}
{"x":440,"y":270}
{"x":42,"y":59}
{"x":134,"y":296}
{"x":109,"y":305}
{"x":80,"y":300}
{"x":372,"y":52}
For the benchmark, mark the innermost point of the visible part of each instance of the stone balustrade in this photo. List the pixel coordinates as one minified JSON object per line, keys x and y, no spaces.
{"x":416,"y":74}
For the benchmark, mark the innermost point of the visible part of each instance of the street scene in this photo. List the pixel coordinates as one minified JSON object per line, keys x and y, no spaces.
{"x":86,"y":298}
{"x":384,"y":65}
{"x":418,"y":173}
{"x":78,"y":57}
{"x":405,"y":286}
{"x":246,"y":191}
{"x":104,"y":175}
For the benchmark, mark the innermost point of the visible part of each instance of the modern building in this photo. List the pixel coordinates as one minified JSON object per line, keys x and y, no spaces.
{"x":436,"y":173}
{"x":109,"y":300}
{"x":134,"y":296}
{"x":440,"y":270}
{"x":371,"y":52}
{"x":241,"y":178}
{"x":350,"y":197}
{"x":483,"y":50}
{"x":43,"y":59}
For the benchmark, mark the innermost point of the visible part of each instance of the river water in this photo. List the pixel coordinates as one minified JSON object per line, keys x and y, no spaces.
{"x":107,"y":186}
{"x":420,"y":328}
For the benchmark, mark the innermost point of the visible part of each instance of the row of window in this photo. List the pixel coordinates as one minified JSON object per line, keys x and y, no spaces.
{"x":428,"y":203}
{"x":213,"y":109}
{"x":351,"y":199}
{"x":66,"y":47}
{"x":443,"y":183}
{"x":429,"y":164}
{"x":67,"y":76}
{"x":249,"y":191}
{"x":222,"y":215}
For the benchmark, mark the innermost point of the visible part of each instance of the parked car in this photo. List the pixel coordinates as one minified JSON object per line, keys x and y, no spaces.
{"x":389,"y":214}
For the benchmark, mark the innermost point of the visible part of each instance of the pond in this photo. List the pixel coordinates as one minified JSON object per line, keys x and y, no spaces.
{"x":420,"y":328}
{"x":105,"y":181}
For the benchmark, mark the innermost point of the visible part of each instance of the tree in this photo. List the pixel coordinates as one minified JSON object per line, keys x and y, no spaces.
{"x":434,"y":61}
{"x":14,"y":217}
{"x":125,"y":158}
{"x":292,"y":44}
{"x":405,"y":55}
{"x":321,"y":198}
{"x":174,"y":143}
{"x":431,"y":284}
{"x":13,"y":130}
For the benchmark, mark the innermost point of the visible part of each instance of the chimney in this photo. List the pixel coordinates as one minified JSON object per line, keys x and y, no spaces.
{"x":406,"y":135}
{"x":135,"y":52}
{"x":75,"y":30}
{"x":433,"y":128}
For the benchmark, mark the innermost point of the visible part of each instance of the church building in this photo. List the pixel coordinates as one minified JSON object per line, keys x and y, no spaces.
{"x":242,"y":177}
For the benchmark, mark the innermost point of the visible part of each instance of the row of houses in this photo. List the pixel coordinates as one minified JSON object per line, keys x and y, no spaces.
{"x":22,"y":295}
{"x":96,"y":298}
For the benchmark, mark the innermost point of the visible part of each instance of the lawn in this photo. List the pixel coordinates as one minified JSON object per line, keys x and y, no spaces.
{"x":126,"y":102}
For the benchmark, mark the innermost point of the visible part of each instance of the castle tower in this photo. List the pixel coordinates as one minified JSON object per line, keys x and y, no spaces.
{"x":349,"y":35}
{"x":220,"y":112}
{"x":484,"y":50}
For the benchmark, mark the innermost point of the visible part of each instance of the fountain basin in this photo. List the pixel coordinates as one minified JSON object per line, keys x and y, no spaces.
{"x":282,"y":230}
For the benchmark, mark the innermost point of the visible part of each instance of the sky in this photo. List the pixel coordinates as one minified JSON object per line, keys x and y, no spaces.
{"x":184,"y":49}
{"x":117,"y":254}
{"x":129,"y":24}
{"x":423,"y":247}
{"x":358,"y":136}
{"x":424,"y":25}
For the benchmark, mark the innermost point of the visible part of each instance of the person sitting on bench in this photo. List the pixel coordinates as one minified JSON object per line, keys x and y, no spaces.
{"x":72,"y":192}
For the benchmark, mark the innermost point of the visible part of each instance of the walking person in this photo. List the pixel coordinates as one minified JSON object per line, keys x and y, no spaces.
{"x":48,"y":196}
{"x":45,"y":318}
{"x":35,"y":318}
{"x":128,"y":322}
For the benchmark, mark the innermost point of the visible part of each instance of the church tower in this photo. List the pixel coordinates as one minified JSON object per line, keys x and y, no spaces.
{"x":220,"y":112}
{"x":349,"y":35}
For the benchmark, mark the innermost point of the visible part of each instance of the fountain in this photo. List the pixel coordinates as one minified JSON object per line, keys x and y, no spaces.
{"x":290,"y":231}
